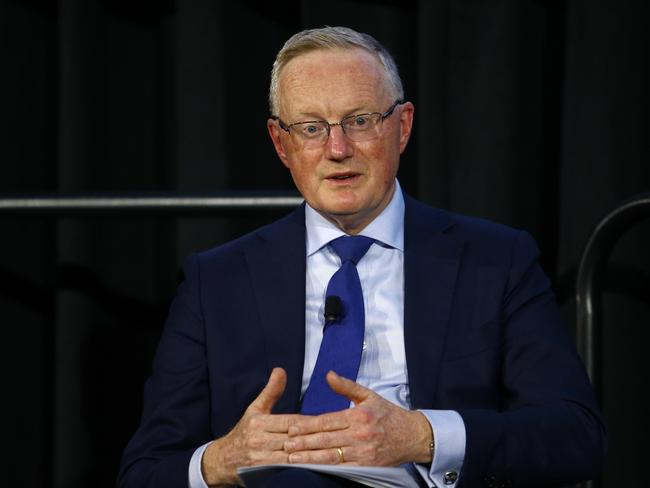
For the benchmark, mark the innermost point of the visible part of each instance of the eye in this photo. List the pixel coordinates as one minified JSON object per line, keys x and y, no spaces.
{"x":360,"y":121}
{"x":310,"y":129}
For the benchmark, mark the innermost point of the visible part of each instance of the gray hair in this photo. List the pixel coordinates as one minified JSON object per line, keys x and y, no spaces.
{"x":331,"y":38}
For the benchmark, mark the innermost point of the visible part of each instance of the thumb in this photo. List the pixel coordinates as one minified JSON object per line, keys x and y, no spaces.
{"x":271,"y":393}
{"x":348,"y":388}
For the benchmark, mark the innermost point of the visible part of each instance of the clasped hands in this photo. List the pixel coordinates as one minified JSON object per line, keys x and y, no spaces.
{"x":373,"y":433}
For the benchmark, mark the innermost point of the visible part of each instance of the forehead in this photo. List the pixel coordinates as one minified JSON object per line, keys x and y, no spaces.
{"x":332,"y":82}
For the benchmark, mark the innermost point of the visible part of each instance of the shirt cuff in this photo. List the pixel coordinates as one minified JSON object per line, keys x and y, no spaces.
{"x":449,"y":452}
{"x":195,"y":475}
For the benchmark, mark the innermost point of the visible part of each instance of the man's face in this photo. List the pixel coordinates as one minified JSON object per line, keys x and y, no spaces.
{"x":348,"y":182}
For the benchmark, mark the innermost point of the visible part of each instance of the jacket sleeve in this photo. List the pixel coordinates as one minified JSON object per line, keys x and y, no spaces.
{"x":175,"y":419}
{"x":548,"y":430}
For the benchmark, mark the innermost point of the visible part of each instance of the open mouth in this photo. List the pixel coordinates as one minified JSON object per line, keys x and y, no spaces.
{"x":343,"y":177}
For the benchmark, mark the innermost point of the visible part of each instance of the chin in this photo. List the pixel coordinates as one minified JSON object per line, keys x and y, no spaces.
{"x":341,"y":210}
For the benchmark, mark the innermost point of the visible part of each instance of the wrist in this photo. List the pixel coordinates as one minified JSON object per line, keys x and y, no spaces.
{"x":425,"y":439}
{"x":214,"y":466}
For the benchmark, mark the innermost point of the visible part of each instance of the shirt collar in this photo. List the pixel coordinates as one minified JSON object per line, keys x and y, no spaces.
{"x":387,"y":227}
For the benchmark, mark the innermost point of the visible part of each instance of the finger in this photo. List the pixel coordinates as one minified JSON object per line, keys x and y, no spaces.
{"x":319,"y":440}
{"x":266,"y":457}
{"x":271,"y":393}
{"x":278,"y":423}
{"x":327,"y":422}
{"x":260,"y":443}
{"x":348,"y":388}
{"x":275,"y":442}
{"x":323,"y":456}
{"x":266,"y":442}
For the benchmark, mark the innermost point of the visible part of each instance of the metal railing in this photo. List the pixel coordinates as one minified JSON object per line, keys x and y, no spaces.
{"x":591,"y":273}
{"x":590,"y":284}
{"x":150,"y":205}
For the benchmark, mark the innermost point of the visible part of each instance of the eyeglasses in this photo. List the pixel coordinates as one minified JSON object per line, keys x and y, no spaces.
{"x":358,"y":128}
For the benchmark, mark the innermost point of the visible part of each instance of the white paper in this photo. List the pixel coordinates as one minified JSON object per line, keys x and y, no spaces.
{"x":367,"y":475}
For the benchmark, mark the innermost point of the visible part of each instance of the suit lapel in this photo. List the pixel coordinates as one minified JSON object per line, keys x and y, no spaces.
{"x":277,"y":267}
{"x":431,"y":262}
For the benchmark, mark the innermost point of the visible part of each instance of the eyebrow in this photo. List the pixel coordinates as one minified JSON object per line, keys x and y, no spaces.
{"x":314,"y":117}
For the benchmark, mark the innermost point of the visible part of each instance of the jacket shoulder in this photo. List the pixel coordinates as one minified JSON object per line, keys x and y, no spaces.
{"x":456,"y":224}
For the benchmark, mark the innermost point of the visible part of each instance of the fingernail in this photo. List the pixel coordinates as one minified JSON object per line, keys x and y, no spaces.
{"x":295,"y":458}
{"x":293,"y":430}
{"x":288,"y":446}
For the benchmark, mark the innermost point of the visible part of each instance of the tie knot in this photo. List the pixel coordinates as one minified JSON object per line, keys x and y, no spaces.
{"x":351,"y":248}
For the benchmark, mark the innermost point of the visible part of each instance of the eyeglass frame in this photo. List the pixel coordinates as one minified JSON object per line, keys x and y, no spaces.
{"x":383,"y":117}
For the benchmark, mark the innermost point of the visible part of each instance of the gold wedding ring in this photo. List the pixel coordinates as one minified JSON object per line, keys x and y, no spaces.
{"x":340,"y":451}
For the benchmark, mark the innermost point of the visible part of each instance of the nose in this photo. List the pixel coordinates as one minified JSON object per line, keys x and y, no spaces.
{"x":338,"y":147}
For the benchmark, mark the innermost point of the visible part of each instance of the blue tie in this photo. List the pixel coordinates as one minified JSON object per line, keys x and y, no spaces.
{"x":340,"y":349}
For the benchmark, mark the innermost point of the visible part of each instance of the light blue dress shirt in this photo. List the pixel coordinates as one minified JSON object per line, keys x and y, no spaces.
{"x":383,"y":360}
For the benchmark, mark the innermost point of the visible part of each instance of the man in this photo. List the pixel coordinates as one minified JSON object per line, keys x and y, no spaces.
{"x":466,"y":376}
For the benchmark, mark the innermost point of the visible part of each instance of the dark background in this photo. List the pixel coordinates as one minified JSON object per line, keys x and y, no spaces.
{"x":531,"y":113}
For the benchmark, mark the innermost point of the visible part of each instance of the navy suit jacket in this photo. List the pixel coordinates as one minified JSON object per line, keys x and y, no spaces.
{"x":482,"y":332}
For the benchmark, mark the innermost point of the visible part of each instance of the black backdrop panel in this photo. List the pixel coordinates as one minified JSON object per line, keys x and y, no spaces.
{"x":531,"y":113}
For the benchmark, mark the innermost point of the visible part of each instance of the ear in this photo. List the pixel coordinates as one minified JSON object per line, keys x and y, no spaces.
{"x":406,"y":124}
{"x":275,"y":131}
